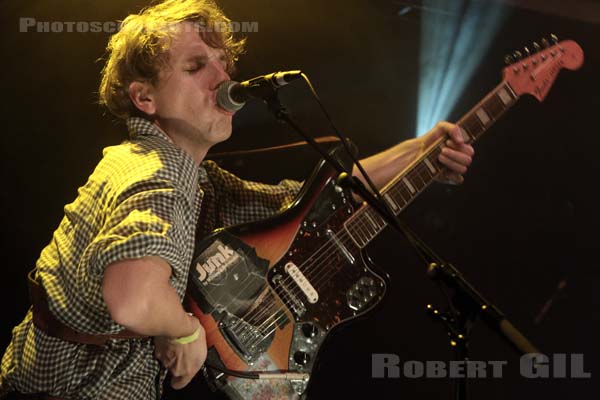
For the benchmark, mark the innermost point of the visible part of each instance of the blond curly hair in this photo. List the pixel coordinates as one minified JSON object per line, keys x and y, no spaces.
{"x":139,"y":50}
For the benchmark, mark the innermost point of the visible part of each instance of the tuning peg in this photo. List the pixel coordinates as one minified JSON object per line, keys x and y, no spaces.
{"x":517,"y":55}
{"x":526,"y":51}
{"x":536,"y":47}
{"x":508,"y":59}
{"x":553,"y":38}
{"x":545,"y":43}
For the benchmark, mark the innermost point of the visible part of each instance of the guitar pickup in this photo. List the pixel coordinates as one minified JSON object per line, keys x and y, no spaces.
{"x":298,"y":277}
{"x":285,"y":293}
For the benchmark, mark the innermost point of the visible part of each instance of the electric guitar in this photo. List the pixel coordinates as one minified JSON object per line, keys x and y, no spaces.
{"x":269,"y":293}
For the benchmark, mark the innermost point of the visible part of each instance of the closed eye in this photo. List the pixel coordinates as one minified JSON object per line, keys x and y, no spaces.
{"x":195,"y":68}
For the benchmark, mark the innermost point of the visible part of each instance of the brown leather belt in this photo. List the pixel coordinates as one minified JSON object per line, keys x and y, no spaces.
{"x":44,"y":320}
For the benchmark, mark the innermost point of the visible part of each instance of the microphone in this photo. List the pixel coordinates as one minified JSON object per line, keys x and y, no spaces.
{"x":232,"y":95}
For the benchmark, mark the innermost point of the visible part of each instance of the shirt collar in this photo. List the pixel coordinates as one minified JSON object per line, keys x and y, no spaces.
{"x":138,"y":126}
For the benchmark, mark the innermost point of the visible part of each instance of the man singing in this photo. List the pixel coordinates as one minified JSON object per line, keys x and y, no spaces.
{"x":112,"y":278}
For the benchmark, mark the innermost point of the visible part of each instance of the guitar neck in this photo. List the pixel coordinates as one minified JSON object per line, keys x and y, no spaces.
{"x":366,"y":223}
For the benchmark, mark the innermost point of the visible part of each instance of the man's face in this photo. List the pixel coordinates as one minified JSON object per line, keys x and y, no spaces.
{"x":185,"y":96}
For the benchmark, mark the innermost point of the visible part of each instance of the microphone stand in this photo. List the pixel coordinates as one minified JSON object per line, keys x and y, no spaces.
{"x":466,"y":303}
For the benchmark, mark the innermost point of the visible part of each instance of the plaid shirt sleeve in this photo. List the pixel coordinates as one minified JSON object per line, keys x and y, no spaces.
{"x":144,"y":210}
{"x":149,"y":220}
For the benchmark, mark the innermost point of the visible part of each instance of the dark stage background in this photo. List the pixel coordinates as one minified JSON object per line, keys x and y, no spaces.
{"x":510,"y":228}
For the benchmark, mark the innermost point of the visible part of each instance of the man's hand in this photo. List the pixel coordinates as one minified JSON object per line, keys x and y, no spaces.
{"x":456,"y":155}
{"x":182,"y":360}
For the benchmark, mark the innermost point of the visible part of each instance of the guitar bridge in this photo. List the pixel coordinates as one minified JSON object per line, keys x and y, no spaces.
{"x":248,"y":341}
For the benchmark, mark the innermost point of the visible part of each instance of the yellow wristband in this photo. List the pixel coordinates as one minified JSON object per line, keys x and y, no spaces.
{"x":187,"y":339}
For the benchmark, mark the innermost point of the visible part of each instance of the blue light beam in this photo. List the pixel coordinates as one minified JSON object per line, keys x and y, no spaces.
{"x":455,"y":35}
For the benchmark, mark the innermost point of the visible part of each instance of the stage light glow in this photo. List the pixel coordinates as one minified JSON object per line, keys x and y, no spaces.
{"x":455,"y":34}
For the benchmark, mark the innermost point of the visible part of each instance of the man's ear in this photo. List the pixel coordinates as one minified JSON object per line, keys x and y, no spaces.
{"x":142,"y":96}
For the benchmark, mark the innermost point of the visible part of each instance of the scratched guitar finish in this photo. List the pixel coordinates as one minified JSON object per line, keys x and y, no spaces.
{"x":269,"y":293}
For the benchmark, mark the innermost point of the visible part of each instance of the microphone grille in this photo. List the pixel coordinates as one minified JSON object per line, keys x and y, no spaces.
{"x":224,"y":99}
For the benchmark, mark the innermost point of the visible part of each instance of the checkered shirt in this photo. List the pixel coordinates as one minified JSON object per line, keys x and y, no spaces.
{"x":143,"y":199}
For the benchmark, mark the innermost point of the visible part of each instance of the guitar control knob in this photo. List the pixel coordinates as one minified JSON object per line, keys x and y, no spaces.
{"x":309,"y":330}
{"x":301,"y":358}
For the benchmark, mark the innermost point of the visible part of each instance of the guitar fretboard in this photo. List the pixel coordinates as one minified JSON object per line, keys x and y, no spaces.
{"x":366,"y":223}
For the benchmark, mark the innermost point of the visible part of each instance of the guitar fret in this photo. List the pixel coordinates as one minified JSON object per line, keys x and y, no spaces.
{"x":415,"y":179}
{"x":360,"y":232}
{"x":479,"y":128}
{"x":371,"y":222}
{"x":409,"y":185}
{"x":368,"y":224}
{"x":356,"y":237}
{"x":425,"y":172}
{"x":505,"y":96}
{"x":395,"y":207}
{"x":472,"y":126}
{"x":466,"y":130}
{"x":404,"y":194}
{"x":483,"y":116}
{"x":430,"y":165}
{"x":495,"y":106}
{"x":363,"y":230}
{"x":379,"y":220}
{"x":422,"y":174}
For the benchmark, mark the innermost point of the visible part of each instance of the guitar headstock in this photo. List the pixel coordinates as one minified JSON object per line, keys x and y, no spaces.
{"x":536,"y":73}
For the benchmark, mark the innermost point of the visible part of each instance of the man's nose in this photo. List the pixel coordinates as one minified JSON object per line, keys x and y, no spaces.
{"x":220,"y":74}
